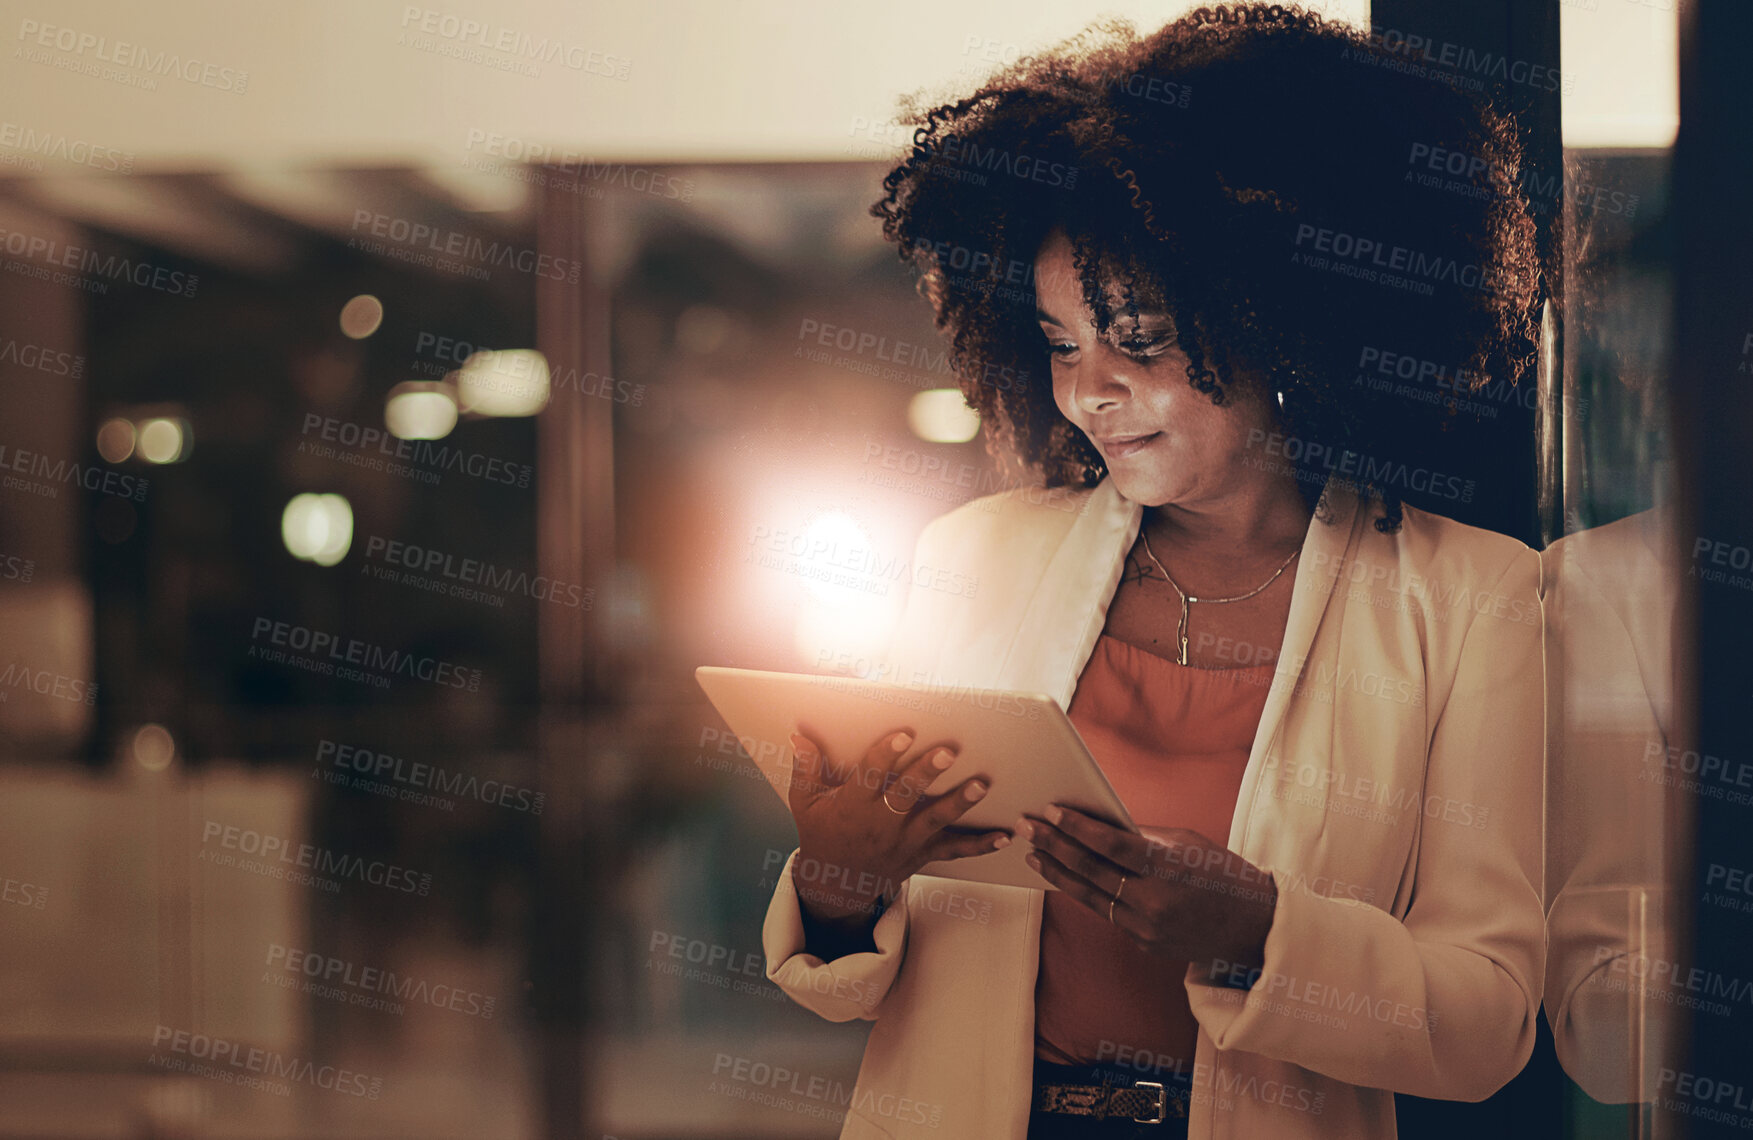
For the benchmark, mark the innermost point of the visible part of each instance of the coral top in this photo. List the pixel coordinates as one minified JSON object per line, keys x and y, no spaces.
{"x":1173,"y":741}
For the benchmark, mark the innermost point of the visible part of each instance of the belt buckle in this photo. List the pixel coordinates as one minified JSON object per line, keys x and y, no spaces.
{"x":1162,"y":1102}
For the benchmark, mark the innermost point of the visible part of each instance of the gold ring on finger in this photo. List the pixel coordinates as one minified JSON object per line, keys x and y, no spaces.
{"x":892,"y":807}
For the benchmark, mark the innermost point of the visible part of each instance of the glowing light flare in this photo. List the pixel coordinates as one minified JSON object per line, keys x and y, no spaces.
{"x":833,"y":551}
{"x":504,"y":382}
{"x":942,"y":415}
{"x":420,"y":409}
{"x":317,"y":528}
{"x":850,"y":637}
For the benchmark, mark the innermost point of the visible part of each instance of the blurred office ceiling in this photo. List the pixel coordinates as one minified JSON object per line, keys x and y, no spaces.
{"x":205,"y":84}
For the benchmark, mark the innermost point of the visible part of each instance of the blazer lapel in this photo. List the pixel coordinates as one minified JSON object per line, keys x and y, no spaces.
{"x":1070,"y":606}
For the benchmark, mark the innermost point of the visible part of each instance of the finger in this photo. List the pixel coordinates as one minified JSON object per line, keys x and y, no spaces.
{"x":912,"y":776}
{"x":871,"y":773}
{"x":807,"y":769}
{"x":1072,"y":883}
{"x":1125,"y":849}
{"x":1070,"y":853}
{"x":950,"y":844}
{"x":939,"y":812}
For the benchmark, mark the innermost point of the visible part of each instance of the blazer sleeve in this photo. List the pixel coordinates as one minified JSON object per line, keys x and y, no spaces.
{"x":853,"y":986}
{"x":1443,"y":1004}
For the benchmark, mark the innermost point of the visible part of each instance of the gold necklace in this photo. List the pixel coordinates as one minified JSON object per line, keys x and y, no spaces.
{"x":1187,"y":599}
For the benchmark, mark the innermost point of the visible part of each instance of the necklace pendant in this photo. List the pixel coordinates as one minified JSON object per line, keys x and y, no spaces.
{"x":1183,"y":649}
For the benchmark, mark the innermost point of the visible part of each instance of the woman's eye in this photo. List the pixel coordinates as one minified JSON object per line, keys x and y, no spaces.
{"x":1146,"y":345}
{"x":1060,"y":348}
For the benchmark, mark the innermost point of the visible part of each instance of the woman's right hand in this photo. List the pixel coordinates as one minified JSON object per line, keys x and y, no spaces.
{"x":861,"y":835}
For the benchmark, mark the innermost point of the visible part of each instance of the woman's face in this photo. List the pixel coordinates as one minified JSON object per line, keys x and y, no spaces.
{"x":1133,"y":384}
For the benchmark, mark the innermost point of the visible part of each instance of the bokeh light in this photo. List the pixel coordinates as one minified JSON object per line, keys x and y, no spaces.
{"x":942,"y":415}
{"x":317,"y":528}
{"x":361,"y":316}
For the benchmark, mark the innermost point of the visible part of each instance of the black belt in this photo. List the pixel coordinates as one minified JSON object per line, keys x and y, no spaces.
{"x":1066,"y":1089}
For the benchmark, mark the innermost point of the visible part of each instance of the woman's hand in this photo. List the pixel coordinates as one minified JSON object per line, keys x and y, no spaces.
{"x":1184,"y":897}
{"x":860,"y":835}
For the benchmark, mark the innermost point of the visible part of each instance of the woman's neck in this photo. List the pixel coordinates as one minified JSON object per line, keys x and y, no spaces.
{"x":1268,"y":515}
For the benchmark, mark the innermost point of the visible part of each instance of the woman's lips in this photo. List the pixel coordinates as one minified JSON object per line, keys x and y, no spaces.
{"x":1129,"y":447}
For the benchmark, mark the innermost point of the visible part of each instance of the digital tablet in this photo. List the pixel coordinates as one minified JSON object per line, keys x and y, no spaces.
{"x":1022,"y":744}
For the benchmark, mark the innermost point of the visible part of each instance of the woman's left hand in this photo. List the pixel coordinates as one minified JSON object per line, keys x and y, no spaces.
{"x":1183,"y":896}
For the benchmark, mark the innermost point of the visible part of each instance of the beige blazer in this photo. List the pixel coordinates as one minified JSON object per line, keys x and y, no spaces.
{"x":1393,"y":790}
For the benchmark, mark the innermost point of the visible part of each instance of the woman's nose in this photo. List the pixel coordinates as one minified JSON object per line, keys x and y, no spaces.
{"x":1103,"y":384}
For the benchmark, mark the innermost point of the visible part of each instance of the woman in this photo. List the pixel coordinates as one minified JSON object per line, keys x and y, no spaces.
{"x":1321,"y":704}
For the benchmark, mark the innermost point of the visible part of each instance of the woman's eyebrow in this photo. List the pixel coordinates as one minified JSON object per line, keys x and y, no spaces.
{"x":1044,"y":315}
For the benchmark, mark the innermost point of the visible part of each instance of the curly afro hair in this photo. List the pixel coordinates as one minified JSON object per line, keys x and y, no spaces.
{"x":1254,"y":172}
